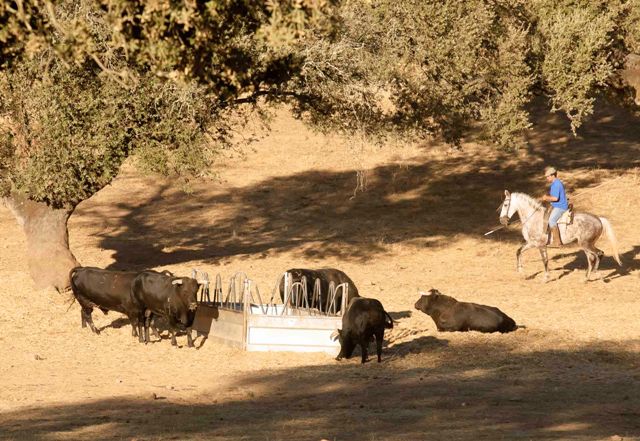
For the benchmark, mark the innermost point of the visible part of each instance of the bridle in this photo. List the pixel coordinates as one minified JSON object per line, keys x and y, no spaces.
{"x":509,"y":207}
{"x":507,"y":201}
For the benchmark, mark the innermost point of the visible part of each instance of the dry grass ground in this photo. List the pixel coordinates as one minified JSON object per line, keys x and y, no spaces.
{"x":572,"y":373}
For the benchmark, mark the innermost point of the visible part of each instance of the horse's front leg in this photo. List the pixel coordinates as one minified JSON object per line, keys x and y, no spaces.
{"x":545,"y":261}
{"x":521,"y":250}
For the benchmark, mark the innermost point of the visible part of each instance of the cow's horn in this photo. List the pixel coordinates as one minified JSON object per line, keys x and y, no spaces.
{"x":334,"y":335}
{"x":177,"y":282}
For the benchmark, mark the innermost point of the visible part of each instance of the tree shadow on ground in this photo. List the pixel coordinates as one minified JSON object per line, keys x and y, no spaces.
{"x":479,"y":391}
{"x":424,"y":203}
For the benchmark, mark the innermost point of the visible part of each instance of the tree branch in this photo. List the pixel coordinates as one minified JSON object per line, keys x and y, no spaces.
{"x":275,"y":93}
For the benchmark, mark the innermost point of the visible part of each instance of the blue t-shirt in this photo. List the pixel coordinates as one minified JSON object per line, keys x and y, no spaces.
{"x":557,"y":191}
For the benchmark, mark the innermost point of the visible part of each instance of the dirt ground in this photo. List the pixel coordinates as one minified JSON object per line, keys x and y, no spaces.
{"x":418,"y":221}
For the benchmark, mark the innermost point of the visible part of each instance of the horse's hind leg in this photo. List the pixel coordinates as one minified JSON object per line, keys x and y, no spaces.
{"x":597,"y":254}
{"x":589,"y":255}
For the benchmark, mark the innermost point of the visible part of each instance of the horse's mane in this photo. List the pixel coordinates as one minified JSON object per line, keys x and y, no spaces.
{"x":534,"y":203}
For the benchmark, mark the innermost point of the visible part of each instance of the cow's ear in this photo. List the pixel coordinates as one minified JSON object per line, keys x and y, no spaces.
{"x":506,"y":193}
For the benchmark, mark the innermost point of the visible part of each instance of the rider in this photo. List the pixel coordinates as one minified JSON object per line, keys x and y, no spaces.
{"x":558,"y":199}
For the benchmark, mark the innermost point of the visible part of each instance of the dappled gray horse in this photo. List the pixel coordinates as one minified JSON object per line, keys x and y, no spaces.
{"x":586,"y":229}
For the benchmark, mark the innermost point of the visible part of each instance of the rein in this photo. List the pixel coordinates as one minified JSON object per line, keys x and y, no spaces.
{"x":519,"y":220}
{"x":531,"y":215}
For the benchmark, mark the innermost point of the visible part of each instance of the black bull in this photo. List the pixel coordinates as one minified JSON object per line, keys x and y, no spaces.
{"x":451,"y":315}
{"x":174,"y":298}
{"x":326,"y":277}
{"x":112,"y":291}
{"x":364,"y":319}
{"x":105,"y":290}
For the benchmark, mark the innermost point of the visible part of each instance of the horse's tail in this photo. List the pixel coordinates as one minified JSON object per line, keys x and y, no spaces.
{"x":608,"y":230}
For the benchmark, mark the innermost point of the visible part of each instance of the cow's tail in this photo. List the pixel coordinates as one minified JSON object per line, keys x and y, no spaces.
{"x":388,"y":321}
{"x":608,"y":230}
{"x":74,"y":289}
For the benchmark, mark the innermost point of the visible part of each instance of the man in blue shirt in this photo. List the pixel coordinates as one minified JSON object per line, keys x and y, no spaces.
{"x":559,"y":204}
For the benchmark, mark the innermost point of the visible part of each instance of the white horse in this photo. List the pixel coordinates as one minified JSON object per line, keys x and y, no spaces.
{"x":586,"y":229}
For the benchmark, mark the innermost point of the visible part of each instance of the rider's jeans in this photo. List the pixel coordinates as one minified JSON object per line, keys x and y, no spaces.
{"x":555,"y":215}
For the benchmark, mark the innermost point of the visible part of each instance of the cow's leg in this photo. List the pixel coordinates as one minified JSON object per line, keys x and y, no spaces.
{"x":173,"y":337}
{"x":154,"y":329}
{"x":204,"y":339}
{"x":147,"y":322}
{"x":189,"y":338}
{"x":134,"y":325}
{"x":84,"y":321}
{"x":364,"y":345}
{"x":141,"y":328}
{"x":522,"y":249}
{"x":139,"y":325}
{"x":86,"y":318}
{"x":545,"y":261}
{"x":379,"y":337}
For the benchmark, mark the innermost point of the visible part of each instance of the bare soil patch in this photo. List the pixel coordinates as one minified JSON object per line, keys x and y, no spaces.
{"x":572,"y":373}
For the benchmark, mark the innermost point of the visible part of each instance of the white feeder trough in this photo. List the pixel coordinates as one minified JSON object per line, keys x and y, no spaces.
{"x":298,"y":324}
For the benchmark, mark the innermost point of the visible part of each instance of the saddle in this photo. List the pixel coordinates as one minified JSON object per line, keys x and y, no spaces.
{"x":566,"y":218}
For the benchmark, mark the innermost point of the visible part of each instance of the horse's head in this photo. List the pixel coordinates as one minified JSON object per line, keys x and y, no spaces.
{"x":507,"y":209}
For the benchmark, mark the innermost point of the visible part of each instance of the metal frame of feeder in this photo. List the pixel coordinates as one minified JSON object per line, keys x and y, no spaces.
{"x":300,"y":323}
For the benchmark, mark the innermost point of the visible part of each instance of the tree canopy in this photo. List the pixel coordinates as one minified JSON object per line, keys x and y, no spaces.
{"x":86,"y":83}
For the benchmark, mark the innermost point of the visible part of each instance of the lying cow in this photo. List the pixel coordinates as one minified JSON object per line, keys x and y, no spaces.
{"x":363,"y":320}
{"x":173,"y":298}
{"x":106,"y":290}
{"x":451,"y":315}
{"x":326,"y":276}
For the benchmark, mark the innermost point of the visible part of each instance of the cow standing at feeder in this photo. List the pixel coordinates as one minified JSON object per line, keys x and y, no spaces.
{"x":326,"y":276}
{"x":173,"y":298}
{"x":105,"y":290}
{"x":451,"y":315}
{"x":363,"y":320}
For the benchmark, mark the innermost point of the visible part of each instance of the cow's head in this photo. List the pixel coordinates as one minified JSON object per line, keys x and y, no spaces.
{"x":185,"y":292}
{"x":426,"y":300}
{"x":346,"y":344}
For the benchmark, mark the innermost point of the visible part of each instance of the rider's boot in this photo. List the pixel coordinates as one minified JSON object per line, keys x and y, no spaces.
{"x":555,"y":242}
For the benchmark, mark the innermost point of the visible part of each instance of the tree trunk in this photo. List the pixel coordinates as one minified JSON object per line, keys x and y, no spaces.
{"x":631,"y":74}
{"x":48,"y":253}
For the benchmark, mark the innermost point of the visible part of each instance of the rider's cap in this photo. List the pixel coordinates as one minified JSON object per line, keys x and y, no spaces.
{"x":550,"y":171}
